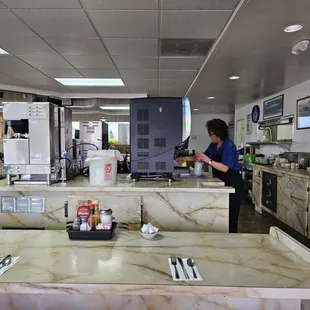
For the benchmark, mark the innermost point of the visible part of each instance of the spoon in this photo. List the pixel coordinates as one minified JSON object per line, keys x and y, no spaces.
{"x":191,"y":263}
{"x":6,"y":261}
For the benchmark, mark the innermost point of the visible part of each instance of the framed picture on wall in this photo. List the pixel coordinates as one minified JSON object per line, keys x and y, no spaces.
{"x":303,"y":113}
{"x":273,"y":107}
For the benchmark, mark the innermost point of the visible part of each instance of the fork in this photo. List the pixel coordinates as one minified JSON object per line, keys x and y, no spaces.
{"x":174,"y":263}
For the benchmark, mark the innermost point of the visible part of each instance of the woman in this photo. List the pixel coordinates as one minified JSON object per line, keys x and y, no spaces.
{"x":222,"y":156}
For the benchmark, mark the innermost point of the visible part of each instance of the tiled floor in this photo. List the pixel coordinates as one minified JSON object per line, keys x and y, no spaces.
{"x":252,"y":222}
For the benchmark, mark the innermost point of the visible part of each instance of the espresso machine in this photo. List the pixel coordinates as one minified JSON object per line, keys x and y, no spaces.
{"x":31,"y":143}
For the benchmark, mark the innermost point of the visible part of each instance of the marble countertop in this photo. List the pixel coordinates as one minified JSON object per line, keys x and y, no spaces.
{"x":300,"y":173}
{"x":81,"y":184}
{"x":231,"y":264}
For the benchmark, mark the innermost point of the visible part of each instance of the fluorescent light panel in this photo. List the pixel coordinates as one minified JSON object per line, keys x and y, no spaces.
{"x":90,"y":82}
{"x":3,"y":52}
{"x":114,"y":107}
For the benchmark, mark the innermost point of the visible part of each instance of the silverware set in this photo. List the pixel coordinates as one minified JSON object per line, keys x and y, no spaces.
{"x":190,"y":262}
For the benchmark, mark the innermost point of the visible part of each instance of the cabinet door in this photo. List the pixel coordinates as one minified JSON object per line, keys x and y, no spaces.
{"x":256,"y":187}
{"x":292,"y":202}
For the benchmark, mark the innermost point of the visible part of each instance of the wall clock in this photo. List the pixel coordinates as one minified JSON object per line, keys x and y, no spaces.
{"x":255,"y":114}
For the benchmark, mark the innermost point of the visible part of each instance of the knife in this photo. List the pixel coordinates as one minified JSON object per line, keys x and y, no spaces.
{"x":184,"y":270}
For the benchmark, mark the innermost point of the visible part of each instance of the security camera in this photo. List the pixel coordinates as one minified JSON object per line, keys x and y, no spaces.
{"x":301,"y":46}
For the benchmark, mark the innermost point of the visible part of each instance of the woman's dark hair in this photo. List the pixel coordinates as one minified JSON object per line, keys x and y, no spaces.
{"x":218,"y":127}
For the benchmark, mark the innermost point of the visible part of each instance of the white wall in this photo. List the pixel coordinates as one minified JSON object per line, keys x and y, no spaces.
{"x":301,"y":141}
{"x":200,"y":139}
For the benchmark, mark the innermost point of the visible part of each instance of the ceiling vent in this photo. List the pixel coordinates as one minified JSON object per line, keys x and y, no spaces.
{"x":185,"y":47}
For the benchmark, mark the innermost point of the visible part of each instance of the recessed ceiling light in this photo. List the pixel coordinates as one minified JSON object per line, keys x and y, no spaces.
{"x":196,"y":109}
{"x":234,"y":77}
{"x":211,"y":97}
{"x":3,"y":52}
{"x":90,"y":82}
{"x":293,"y":28}
{"x":115,"y":107}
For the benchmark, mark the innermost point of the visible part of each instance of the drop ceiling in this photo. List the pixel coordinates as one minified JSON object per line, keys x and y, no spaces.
{"x":124,"y":39}
{"x":106,"y":39}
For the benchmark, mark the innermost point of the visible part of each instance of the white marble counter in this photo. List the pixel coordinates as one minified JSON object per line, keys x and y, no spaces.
{"x":299,"y":173}
{"x":81,"y":184}
{"x":235,"y":265}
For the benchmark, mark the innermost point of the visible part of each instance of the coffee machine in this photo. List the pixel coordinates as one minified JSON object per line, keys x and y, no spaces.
{"x":31,"y":142}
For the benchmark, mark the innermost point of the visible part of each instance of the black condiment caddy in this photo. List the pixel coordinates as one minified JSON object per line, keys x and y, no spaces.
{"x":92,"y":235}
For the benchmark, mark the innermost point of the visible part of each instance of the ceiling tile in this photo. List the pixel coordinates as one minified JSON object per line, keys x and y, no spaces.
{"x":100,"y":73}
{"x":45,"y":61}
{"x":12,"y":27}
{"x":150,"y":90}
{"x":175,"y":83}
{"x":121,"y":4}
{"x":42,"y":4}
{"x":131,"y":24}
{"x":17,"y":68}
{"x":58,"y":23}
{"x":77,"y":46}
{"x":172,"y":92}
{"x":193,"y":24}
{"x":26,"y":46}
{"x":2,"y":6}
{"x":178,"y":74}
{"x":35,"y":82}
{"x":198,"y":4}
{"x":61,"y":72}
{"x":124,"y":62}
{"x":181,"y":63}
{"x":8,"y":80}
{"x":139,"y":74}
{"x":135,"y":47}
{"x":91,"y":61}
{"x":140,"y":82}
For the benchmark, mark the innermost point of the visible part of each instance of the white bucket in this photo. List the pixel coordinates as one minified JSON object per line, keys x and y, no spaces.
{"x":103,"y":166}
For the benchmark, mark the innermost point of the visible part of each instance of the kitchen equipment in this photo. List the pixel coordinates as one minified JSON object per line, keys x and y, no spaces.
{"x":286,"y":166}
{"x":191,"y":263}
{"x":182,"y":265}
{"x":154,"y":137}
{"x":282,"y":160}
{"x":264,"y":161}
{"x":267,"y":136}
{"x":31,"y":146}
{"x":258,"y":160}
{"x":269,"y":191}
{"x":303,"y":161}
{"x":174,"y":263}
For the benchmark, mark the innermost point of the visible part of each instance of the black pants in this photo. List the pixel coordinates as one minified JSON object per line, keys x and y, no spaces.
{"x":235,"y":202}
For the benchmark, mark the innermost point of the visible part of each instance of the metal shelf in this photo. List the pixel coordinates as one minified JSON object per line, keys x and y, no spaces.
{"x":257,"y":144}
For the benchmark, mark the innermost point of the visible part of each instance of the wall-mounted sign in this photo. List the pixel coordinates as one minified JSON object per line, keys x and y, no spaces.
{"x":303,"y":113}
{"x":249,"y":124}
{"x":273,"y":107}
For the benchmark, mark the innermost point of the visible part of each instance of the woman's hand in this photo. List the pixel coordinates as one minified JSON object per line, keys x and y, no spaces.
{"x":202,"y":157}
{"x":181,"y":160}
